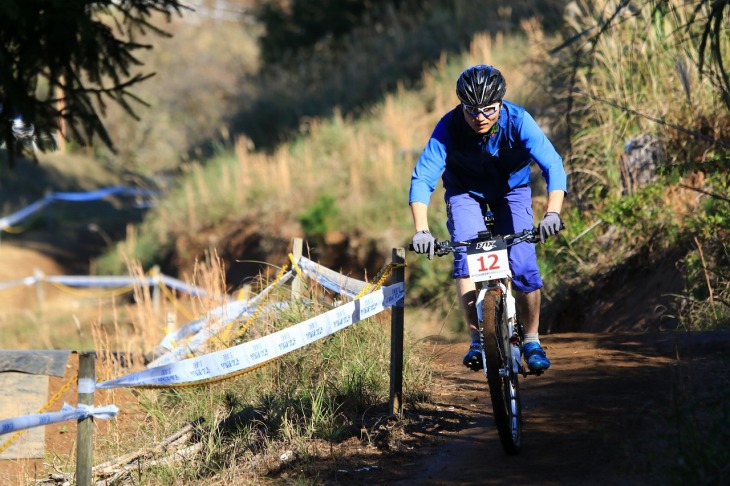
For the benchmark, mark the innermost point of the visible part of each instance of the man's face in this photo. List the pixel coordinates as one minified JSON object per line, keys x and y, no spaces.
{"x":481,"y":118}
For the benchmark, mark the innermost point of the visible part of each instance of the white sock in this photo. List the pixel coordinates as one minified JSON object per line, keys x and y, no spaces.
{"x":531,"y":338}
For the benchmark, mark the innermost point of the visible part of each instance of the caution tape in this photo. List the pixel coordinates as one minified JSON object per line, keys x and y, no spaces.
{"x":181,"y":345}
{"x":92,"y":293}
{"x":67,"y":412}
{"x":45,"y":407}
{"x":234,"y":360}
{"x":116,"y":281}
{"x":258,"y":310}
{"x":118,"y":190}
{"x":195,"y":335}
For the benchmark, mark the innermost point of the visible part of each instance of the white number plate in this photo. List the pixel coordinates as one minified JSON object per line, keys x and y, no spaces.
{"x":488,"y":261}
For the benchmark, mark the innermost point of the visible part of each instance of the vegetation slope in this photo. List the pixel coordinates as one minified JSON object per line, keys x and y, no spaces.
{"x":627,"y":73}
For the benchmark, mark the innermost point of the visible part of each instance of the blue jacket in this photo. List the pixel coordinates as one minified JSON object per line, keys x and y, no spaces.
{"x":487,"y":166}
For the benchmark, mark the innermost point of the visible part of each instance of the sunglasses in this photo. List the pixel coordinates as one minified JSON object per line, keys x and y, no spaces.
{"x":487,"y":111}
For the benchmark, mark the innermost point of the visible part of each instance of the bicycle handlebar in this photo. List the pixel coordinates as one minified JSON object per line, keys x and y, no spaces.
{"x":445,"y":247}
{"x":528,"y":235}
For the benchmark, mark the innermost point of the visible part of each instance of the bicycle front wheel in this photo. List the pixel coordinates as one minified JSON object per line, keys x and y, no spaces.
{"x":502,"y":378}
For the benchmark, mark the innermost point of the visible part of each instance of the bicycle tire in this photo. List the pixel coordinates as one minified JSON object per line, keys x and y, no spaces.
{"x":502,"y":378}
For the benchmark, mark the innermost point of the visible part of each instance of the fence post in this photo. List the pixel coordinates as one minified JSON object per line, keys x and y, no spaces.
{"x":85,"y":427}
{"x":39,"y":278}
{"x":50,"y":221}
{"x":296,"y":284}
{"x":156,"y":288}
{"x":396,"y":337}
{"x":171,"y":323}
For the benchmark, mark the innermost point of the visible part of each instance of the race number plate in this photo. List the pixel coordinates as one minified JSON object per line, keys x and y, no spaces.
{"x":488,"y":260}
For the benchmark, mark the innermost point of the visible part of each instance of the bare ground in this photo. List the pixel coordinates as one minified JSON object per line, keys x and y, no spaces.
{"x":603,"y":414}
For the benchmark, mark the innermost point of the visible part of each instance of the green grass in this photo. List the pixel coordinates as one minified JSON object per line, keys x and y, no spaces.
{"x":329,"y":390}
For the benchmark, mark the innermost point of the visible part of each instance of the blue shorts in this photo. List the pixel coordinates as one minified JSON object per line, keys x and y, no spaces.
{"x":512,"y":213}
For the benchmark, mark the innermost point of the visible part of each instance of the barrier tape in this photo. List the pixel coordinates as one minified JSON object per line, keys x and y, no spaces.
{"x":210,"y":381}
{"x":204,"y":330}
{"x":179,"y":349}
{"x":310,"y":269}
{"x":19,"y":229}
{"x":17,"y":216}
{"x":256,"y":313}
{"x":230,"y":361}
{"x":235,"y":309}
{"x":89,"y":293}
{"x":105,"y":281}
{"x":67,"y":412}
{"x":45,"y":407}
{"x":10,"y":220}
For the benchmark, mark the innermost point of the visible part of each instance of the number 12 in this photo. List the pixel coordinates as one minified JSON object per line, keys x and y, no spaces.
{"x":494,"y":259}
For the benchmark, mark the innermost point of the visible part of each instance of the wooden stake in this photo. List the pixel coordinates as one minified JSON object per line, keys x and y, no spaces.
{"x":296,"y":284}
{"x":396,"y":338}
{"x":85,"y":427}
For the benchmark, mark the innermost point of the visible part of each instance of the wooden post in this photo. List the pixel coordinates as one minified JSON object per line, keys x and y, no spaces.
{"x":296,"y":284}
{"x":156,"y":288}
{"x":245,"y":293}
{"x":48,"y":208}
{"x":85,"y":427}
{"x":40,"y":296}
{"x":61,"y":132}
{"x":396,"y":338}
{"x":171,"y":322}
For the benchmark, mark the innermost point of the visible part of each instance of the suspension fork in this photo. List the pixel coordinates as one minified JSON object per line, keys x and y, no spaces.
{"x":515,"y":337}
{"x":505,"y":288}
{"x":509,"y":315}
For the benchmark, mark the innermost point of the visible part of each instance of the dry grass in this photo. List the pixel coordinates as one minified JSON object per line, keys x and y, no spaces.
{"x":642,"y":78}
{"x":364,"y":163}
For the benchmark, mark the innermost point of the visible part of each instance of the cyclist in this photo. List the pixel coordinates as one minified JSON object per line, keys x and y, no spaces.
{"x":484,"y":148}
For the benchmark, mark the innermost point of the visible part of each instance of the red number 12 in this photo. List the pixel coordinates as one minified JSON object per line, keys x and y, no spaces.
{"x":492,"y":266}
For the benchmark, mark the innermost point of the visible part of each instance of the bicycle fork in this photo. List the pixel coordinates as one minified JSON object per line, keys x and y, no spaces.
{"x":509,"y":316}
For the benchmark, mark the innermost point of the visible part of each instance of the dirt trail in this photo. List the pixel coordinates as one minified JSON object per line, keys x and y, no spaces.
{"x":601,"y":415}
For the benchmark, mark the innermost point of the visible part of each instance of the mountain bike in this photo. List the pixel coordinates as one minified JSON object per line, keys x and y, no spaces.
{"x":501,"y":334}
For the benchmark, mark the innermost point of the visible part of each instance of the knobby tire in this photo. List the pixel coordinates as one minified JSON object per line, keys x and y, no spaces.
{"x":503,"y":387}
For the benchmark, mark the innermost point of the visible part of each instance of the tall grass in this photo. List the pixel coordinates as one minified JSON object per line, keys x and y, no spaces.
{"x":351,"y":72}
{"x":330,"y":390}
{"x":641,"y":77}
{"x":638,"y":75}
{"x":364,"y":163}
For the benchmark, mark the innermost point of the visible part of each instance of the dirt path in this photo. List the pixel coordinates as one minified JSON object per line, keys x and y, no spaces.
{"x":603,"y":414}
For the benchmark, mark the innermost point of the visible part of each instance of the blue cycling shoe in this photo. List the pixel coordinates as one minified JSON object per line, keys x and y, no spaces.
{"x":535,"y":357}
{"x":473,"y":358}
